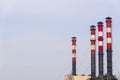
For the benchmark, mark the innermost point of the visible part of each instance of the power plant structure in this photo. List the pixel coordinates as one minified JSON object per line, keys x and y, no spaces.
{"x":109,"y":45}
{"x":93,"y":51}
{"x":101,"y":76}
{"x":73,"y":55}
{"x":100,"y":48}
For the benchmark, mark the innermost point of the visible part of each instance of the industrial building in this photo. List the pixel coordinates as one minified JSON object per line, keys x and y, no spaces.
{"x":70,"y":77}
{"x":100,"y":46}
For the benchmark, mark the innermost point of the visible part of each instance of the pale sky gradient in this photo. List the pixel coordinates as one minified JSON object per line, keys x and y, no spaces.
{"x":35,"y":36}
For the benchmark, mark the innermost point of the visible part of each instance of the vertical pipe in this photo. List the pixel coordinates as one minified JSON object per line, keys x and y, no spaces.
{"x":100,"y":47}
{"x":93,"y":51}
{"x":109,"y":45}
{"x":73,"y":55}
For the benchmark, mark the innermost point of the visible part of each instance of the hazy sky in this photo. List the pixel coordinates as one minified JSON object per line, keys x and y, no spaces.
{"x":35,"y":36}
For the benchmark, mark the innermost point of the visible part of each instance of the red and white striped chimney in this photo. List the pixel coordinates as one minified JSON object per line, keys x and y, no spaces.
{"x":100,"y":48}
{"x":109,"y":44}
{"x":93,"y":51}
{"x":73,"y":55}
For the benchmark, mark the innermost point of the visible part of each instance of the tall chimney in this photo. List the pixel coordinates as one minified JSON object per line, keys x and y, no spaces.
{"x":73,"y":55}
{"x":93,"y":51}
{"x":100,"y":48}
{"x":109,"y":45}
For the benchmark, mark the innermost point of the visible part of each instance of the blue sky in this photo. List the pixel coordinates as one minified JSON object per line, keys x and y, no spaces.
{"x":35,"y":36}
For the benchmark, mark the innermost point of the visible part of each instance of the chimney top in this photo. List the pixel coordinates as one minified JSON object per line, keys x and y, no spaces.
{"x":100,"y":22}
{"x":92,"y":26}
{"x":74,"y":38}
{"x":108,"y":18}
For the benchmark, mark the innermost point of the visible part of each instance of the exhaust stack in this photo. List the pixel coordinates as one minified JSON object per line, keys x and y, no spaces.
{"x":73,"y":55}
{"x":109,"y":45}
{"x":93,"y":51}
{"x":100,"y":48}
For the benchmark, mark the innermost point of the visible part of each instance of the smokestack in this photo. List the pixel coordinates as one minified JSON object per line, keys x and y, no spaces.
{"x":73,"y":55}
{"x":100,"y":48}
{"x":93,"y":51}
{"x":109,"y":45}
